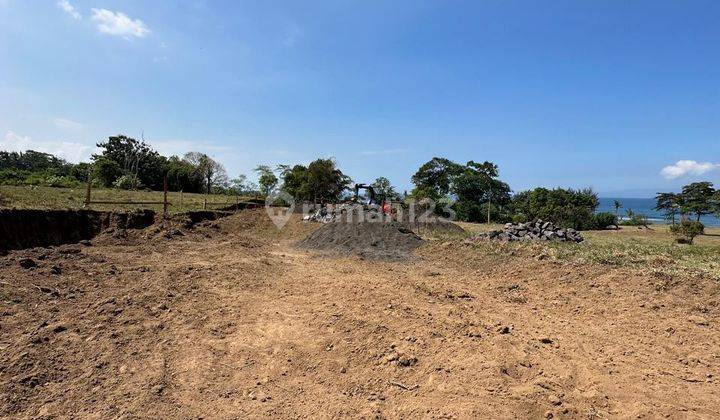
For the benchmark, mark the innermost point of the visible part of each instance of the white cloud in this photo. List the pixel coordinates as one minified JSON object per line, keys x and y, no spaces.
{"x":687,"y":167}
{"x":68,"y":150}
{"x":66,"y":124}
{"x":119,"y":24}
{"x":14,"y":142}
{"x":69,"y":9}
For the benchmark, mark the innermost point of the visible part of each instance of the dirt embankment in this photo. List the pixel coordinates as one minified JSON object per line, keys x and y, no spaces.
{"x":26,"y":228}
{"x":229,"y":319}
{"x":21,"y":228}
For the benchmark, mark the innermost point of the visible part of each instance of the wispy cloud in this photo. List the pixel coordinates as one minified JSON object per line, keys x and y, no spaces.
{"x":68,"y":150}
{"x":383,"y":152}
{"x":69,"y":9}
{"x":119,"y":24}
{"x":687,"y":167}
{"x":66,"y":124}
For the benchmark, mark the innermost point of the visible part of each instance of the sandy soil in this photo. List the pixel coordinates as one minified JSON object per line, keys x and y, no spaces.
{"x":232,"y":321}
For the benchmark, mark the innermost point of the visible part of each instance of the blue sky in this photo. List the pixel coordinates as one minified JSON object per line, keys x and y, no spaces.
{"x":605,"y":94}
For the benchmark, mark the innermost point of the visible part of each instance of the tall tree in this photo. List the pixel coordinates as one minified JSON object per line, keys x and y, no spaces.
{"x":384,"y":189}
{"x":319,"y":182}
{"x":239,"y":185}
{"x":183,"y":176}
{"x":698,"y":198}
{"x":479,"y":192}
{"x":670,"y":204}
{"x":266,"y":178}
{"x":210,"y":171}
{"x":617,"y":206}
{"x":434,"y":178}
{"x":135,"y":158}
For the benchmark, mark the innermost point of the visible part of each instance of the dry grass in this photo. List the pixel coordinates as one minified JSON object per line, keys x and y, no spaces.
{"x":33,"y":197}
{"x":651,"y":251}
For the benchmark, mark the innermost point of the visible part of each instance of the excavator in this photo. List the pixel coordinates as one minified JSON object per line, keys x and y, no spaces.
{"x":373,"y":200}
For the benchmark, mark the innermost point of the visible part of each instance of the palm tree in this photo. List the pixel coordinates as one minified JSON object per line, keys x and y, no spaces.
{"x":617,"y":206}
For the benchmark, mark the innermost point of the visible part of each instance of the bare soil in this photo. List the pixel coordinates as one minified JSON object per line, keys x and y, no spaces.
{"x":231,"y":320}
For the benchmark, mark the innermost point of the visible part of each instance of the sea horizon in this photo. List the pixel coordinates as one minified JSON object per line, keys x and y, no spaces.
{"x":645,"y":206}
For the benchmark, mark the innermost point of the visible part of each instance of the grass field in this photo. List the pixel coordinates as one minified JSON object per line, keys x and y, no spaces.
{"x":73,"y":198}
{"x":652,"y":251}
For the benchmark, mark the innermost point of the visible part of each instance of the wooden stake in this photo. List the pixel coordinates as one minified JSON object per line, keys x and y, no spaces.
{"x":89,"y":186}
{"x":165,"y":200}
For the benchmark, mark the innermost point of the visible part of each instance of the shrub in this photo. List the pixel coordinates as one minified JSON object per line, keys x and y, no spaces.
{"x":635,"y":219}
{"x":519,"y":218}
{"x":687,"y":230}
{"x":12,"y":176}
{"x":600,"y":221}
{"x":107,"y":171}
{"x":80,"y":171}
{"x":61,"y":181}
{"x":565,"y":208}
{"x":126,"y":182}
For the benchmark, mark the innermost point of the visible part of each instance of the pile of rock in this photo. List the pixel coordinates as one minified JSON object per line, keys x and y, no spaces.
{"x":537,"y":231}
{"x":322,"y":215}
{"x":344,"y":212}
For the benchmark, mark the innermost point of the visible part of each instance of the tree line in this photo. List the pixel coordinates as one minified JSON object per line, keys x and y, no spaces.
{"x":473,"y":190}
{"x":124,"y":163}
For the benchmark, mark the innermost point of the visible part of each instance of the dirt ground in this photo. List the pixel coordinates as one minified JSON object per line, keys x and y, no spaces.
{"x":230,"y":320}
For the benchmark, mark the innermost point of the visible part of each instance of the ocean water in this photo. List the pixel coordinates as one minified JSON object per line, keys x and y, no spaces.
{"x":645,"y":206}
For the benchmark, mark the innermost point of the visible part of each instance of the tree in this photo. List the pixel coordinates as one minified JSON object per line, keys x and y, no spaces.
{"x":384,"y":189}
{"x":107,"y":171}
{"x":80,"y":171}
{"x":206,"y":168}
{"x":239,"y":185}
{"x":293,"y":180}
{"x":670,"y":204}
{"x":479,"y":193}
{"x":566,"y":208}
{"x":267,"y":179}
{"x":33,"y":161}
{"x":434,"y":178}
{"x":687,"y":230}
{"x":698,"y":198}
{"x":319,"y":182}
{"x":135,"y":158}
{"x":617,"y":206}
{"x":183,"y":176}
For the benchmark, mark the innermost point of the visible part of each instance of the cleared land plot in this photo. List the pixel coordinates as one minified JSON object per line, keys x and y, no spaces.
{"x":232,"y":320}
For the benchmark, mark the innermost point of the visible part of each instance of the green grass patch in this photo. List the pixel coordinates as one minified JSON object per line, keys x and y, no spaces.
{"x":35,"y":197}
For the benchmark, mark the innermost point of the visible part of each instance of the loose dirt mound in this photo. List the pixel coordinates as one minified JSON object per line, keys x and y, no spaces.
{"x":376,"y":240}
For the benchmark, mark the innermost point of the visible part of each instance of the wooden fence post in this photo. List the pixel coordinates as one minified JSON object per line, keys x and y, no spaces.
{"x":89,"y":186}
{"x":165,"y":200}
